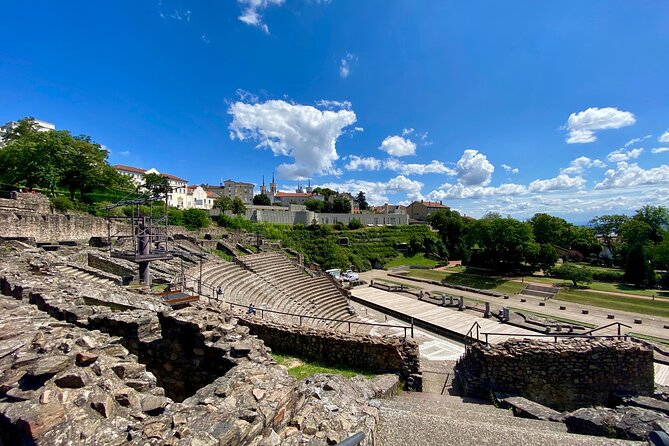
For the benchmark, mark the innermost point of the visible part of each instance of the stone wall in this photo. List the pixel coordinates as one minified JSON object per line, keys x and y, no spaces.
{"x":374,"y":354}
{"x":563,"y":375}
{"x":109,"y":265}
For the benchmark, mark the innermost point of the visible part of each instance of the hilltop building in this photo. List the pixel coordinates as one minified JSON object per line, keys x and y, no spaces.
{"x":178,"y":197}
{"x":419,"y":210}
{"x":199,"y":198}
{"x":389,"y":209}
{"x":39,"y":125}
{"x":232,"y":189}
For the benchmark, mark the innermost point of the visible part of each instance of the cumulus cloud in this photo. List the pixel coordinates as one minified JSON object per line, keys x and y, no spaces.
{"x":449,"y":191}
{"x":360,"y":163}
{"x":303,"y":132}
{"x":659,"y":150}
{"x":583,"y":125}
{"x":580,"y":164}
{"x":630,"y":175}
{"x":345,"y":65}
{"x":398,"y":146}
{"x":378,"y":192}
{"x":560,"y":182}
{"x":474,"y":169}
{"x":418,"y":169}
{"x":623,"y":155}
{"x":510,"y":169}
{"x":252,"y":12}
{"x":664,"y":137}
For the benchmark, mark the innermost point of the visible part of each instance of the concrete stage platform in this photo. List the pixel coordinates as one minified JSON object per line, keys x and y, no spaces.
{"x":444,"y":321}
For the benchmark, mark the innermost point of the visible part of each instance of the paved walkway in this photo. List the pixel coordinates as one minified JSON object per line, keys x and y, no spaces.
{"x":651,"y":325}
{"x":457,"y":322}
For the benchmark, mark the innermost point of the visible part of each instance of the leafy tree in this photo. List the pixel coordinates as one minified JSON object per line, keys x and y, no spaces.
{"x":341,"y":205}
{"x":545,"y":257}
{"x":361,"y":201}
{"x":574,"y":273}
{"x":157,"y":185}
{"x":262,"y":200}
{"x":656,"y":217}
{"x":354,"y":224}
{"x":549,"y":229}
{"x":451,"y":226}
{"x":608,"y":228}
{"x":195,"y":219}
{"x":324,"y":191}
{"x":314,"y":205}
{"x":505,"y":244}
{"x":238,"y":206}
{"x":637,"y":246}
{"x":223,"y":202}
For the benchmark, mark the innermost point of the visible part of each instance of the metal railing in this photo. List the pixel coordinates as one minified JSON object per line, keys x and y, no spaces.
{"x":353,"y":440}
{"x":475,"y":330}
{"x":407,"y":330}
{"x":302,"y":317}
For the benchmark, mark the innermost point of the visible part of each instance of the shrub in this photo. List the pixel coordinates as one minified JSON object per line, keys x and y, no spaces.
{"x":62,"y":204}
{"x":354,"y":224}
{"x":608,"y":276}
{"x":195,"y":219}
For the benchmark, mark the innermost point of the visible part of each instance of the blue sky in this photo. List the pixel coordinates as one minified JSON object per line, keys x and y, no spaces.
{"x":515,"y":107}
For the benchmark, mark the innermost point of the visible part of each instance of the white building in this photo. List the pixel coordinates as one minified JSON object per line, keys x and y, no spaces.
{"x":199,"y":198}
{"x":178,"y":197}
{"x":39,"y":125}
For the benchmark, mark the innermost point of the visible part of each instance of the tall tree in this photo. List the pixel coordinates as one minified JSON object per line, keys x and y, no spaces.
{"x":157,"y":185}
{"x":450,"y":225}
{"x":238,"y":206}
{"x":608,"y":228}
{"x":341,"y":205}
{"x":223,"y":202}
{"x":262,"y":200}
{"x":361,"y":201}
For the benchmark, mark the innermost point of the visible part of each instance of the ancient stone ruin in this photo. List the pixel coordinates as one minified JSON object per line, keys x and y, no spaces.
{"x":82,"y":363}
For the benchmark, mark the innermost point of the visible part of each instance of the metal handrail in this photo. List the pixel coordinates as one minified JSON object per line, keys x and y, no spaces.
{"x":353,"y":440}
{"x":619,"y":324}
{"x":554,"y":336}
{"x":302,"y":316}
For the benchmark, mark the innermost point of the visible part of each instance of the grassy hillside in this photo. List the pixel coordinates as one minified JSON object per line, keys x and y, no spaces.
{"x":365,"y":245}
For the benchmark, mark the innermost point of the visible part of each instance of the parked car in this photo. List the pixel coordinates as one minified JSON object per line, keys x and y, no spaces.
{"x":350,"y":275}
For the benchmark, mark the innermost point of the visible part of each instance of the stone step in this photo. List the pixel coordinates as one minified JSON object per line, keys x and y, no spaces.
{"x":536,"y":293}
{"x":428,"y":419}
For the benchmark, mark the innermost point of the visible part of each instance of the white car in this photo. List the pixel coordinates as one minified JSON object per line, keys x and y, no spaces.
{"x":351,"y":276}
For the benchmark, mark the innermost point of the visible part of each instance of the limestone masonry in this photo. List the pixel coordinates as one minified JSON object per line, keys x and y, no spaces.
{"x":563,"y":375}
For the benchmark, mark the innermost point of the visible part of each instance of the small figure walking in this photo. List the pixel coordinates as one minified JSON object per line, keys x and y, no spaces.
{"x":219,"y":292}
{"x":251,"y":309}
{"x":420,"y":295}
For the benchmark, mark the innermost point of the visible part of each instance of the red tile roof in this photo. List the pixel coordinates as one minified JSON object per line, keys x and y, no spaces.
{"x":129,"y":168}
{"x":211,"y":194}
{"x":432,"y":204}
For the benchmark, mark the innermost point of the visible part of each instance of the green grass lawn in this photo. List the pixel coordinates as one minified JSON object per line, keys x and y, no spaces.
{"x":409,"y":260}
{"x":470,"y":280}
{"x":605,"y":286}
{"x":300,"y":368}
{"x":657,"y":307}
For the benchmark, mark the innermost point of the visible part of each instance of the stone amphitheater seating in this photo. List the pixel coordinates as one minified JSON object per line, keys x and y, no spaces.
{"x":82,"y":274}
{"x":270,"y":281}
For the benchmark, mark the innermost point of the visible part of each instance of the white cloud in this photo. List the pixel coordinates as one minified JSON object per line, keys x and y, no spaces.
{"x":659,"y":150}
{"x":582,"y":125}
{"x":398,"y":146}
{"x":630,"y":175}
{"x":359,"y":129}
{"x":334,"y":105}
{"x":205,"y":39}
{"x":302,"y":132}
{"x":345,"y":65}
{"x":125,"y":153}
{"x":360,"y":163}
{"x":637,"y":140}
{"x":578,"y":166}
{"x":252,"y":12}
{"x":378,"y":192}
{"x":510,"y":169}
{"x":622,"y":155}
{"x":459,"y":191}
{"x":418,"y":169}
{"x":664,"y":137}
{"x":406,"y":132}
{"x":474,"y":169}
{"x":560,"y":182}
